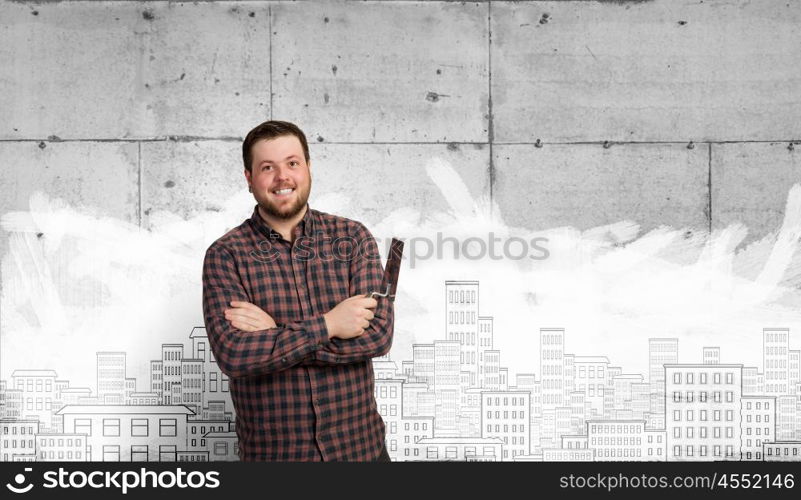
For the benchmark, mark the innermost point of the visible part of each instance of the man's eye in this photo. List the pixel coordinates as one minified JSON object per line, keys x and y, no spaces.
{"x":293,"y":164}
{"x":266,"y":167}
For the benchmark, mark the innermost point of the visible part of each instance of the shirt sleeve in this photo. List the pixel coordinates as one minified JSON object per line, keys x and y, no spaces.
{"x":244,"y":354}
{"x":366,"y":275}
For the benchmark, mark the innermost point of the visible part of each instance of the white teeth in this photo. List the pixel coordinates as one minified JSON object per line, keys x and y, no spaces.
{"x":284,"y":191}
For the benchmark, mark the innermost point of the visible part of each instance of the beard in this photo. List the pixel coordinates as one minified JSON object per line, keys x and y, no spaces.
{"x":290,"y":211}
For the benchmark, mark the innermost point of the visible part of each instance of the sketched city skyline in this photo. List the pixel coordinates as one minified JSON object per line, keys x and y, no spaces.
{"x":454,"y":400}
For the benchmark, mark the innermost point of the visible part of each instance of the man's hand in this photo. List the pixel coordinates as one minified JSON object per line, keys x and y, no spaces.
{"x":350,"y":317}
{"x":248,"y":317}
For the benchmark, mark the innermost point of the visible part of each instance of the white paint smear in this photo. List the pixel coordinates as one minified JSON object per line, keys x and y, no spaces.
{"x":92,"y":283}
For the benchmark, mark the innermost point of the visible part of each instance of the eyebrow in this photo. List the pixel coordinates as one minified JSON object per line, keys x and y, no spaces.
{"x":287,"y":158}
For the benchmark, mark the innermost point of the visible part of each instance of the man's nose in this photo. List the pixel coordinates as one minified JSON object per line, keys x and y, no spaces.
{"x":282,"y":173}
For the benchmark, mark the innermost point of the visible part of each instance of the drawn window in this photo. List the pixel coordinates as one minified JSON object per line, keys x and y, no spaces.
{"x":83,"y":426}
{"x":111,"y":453}
{"x":167,"y":453}
{"x":139,"y":453}
{"x":139,"y":427}
{"x":168,"y":427}
{"x":111,"y":427}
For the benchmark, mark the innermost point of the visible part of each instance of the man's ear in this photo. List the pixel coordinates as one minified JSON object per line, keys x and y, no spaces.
{"x":247,"y":177}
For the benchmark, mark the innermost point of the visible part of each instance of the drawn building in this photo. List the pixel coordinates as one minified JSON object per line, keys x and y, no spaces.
{"x":703,"y":411}
{"x":61,"y":447}
{"x":223,"y":446}
{"x":171,"y":355}
{"x":616,"y":440}
{"x":506,"y":415}
{"x":552,"y":347}
{"x":418,"y":400}
{"x":461,"y":310}
{"x":711,"y":356}
{"x":591,"y":379}
{"x":485,"y":343}
{"x":12,"y":403}
{"x":117,"y":433}
{"x":446,"y":386}
{"x":492,"y":370}
{"x":423,"y":362}
{"x":785,"y":418}
{"x":389,"y":399}
{"x":759,"y":424}
{"x":460,"y":449}
{"x":775,"y":355}
{"x":661,"y":351}
{"x":781,"y":451}
{"x":753,"y":381}
{"x":18,"y":439}
{"x":216,"y":395}
{"x":111,"y":377}
{"x":38,"y":394}
{"x":410,"y":431}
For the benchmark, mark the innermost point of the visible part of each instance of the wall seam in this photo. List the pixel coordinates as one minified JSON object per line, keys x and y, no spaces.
{"x":139,"y":180}
{"x":422,"y":143}
{"x":270,"y":35}
{"x":709,"y":187}
{"x":490,"y":124}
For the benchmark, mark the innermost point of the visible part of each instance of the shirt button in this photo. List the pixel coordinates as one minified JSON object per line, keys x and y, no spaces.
{"x":283,"y":360}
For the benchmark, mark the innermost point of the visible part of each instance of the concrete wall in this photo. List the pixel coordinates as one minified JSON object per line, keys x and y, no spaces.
{"x":135,"y":106}
{"x":563,"y":113}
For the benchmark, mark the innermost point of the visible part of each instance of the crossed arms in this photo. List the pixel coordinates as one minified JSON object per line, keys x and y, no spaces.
{"x":246,"y":341}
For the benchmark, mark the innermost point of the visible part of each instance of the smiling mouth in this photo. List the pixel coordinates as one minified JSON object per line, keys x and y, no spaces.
{"x":283,"y":192}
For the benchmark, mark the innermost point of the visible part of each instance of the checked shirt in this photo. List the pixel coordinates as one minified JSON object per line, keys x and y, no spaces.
{"x":298,"y":396}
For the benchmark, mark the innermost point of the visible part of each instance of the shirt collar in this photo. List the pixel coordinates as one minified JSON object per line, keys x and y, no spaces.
{"x":304,"y":228}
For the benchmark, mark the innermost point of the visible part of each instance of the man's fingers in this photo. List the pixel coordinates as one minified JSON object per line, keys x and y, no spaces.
{"x":241,"y":318}
{"x":362,"y":296}
{"x":368,"y":315}
{"x":236,"y":314}
{"x":366,"y":302}
{"x":245,"y":313}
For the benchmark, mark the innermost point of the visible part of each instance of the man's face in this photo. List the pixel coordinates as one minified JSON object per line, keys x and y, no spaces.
{"x":280,"y":176}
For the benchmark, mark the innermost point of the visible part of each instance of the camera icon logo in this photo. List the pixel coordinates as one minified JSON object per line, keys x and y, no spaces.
{"x":20,"y":486}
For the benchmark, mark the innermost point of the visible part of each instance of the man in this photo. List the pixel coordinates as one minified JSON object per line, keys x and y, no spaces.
{"x":288,"y":318}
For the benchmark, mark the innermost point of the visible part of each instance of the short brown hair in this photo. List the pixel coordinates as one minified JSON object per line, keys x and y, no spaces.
{"x":270,"y":130}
